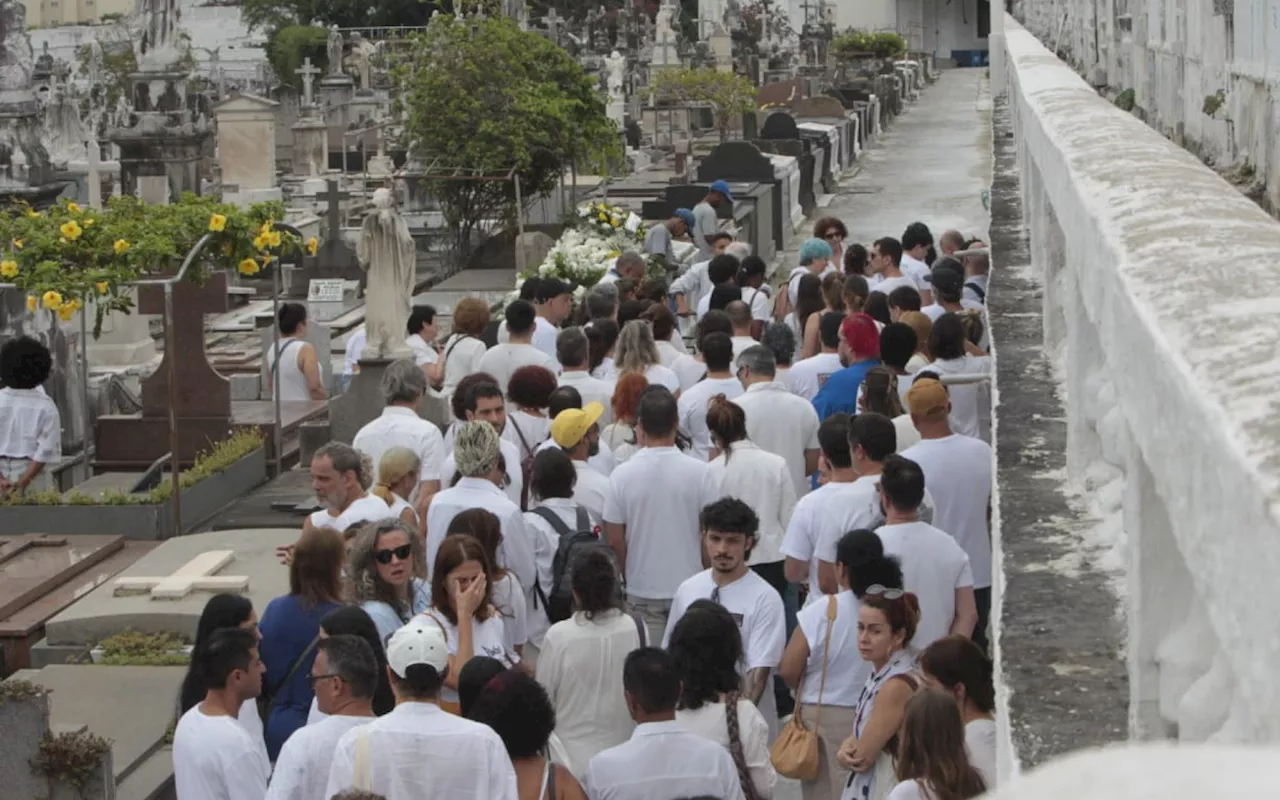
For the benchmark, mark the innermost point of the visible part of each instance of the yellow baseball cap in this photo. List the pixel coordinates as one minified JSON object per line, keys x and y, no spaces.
{"x":570,"y":425}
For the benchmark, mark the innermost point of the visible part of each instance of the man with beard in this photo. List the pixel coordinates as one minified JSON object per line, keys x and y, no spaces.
{"x":577,"y":432}
{"x":729,"y":531}
{"x":336,"y":478}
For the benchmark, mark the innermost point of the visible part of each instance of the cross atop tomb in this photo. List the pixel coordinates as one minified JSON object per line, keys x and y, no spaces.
{"x":198,"y":574}
{"x":334,"y":213}
{"x":201,"y":391}
{"x":308,"y":74}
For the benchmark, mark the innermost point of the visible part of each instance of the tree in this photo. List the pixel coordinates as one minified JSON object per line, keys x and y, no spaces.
{"x":287,"y":47}
{"x":727,"y":94}
{"x":482,"y":97}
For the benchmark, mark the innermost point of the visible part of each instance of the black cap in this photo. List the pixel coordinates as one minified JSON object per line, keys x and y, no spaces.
{"x":947,"y":283}
{"x":549,"y":288}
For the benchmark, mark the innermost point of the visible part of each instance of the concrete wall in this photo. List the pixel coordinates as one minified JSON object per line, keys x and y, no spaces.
{"x":1160,"y":297}
{"x":1174,"y":54}
{"x":934,"y":26}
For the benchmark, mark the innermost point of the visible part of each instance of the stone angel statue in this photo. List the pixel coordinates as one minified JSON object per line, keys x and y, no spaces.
{"x":387,"y":252}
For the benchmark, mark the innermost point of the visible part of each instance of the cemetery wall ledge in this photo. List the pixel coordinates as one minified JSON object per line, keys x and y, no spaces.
{"x":1160,"y":287}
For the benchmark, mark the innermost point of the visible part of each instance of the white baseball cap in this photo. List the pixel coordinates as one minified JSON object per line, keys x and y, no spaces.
{"x":419,"y":642}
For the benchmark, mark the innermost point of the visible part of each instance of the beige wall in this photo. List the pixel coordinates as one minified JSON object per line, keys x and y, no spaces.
{"x":51,"y":13}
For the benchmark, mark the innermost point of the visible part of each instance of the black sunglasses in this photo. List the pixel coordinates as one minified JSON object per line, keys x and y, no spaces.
{"x":311,"y":679}
{"x":402,"y":552}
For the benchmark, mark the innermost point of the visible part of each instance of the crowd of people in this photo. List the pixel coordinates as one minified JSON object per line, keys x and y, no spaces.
{"x":675,"y":537}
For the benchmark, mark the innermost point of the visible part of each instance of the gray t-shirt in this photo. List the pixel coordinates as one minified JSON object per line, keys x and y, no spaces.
{"x":657,"y":242}
{"x":704,"y":225}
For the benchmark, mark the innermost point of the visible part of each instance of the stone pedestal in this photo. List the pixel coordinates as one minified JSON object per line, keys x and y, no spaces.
{"x":617,"y":111}
{"x":159,"y":166}
{"x":310,"y":150}
{"x":360,"y":404}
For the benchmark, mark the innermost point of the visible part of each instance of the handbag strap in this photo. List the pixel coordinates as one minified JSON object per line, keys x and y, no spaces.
{"x":360,"y":773}
{"x":274,"y":693}
{"x":826,"y":651}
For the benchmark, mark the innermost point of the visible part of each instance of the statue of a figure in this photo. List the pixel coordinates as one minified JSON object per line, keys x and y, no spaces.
{"x":387,"y":252}
{"x":15,"y":48}
{"x":664,"y":24}
{"x":615,"y":66}
{"x":161,"y":34}
{"x":333,"y":48}
{"x":362,"y":53}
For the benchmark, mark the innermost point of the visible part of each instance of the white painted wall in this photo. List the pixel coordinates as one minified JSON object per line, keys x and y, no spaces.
{"x":867,"y":15}
{"x":935,"y":26}
{"x":1161,"y":294}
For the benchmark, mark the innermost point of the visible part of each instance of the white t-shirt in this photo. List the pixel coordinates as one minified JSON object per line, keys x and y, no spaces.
{"x":355,"y":346}
{"x":905,"y":429}
{"x":761,"y":303}
{"x":462,"y":356}
{"x":689,"y":371}
{"x":909,"y":790}
{"x":398,"y":426}
{"x":669,"y":352}
{"x":693,"y":410}
{"x":933,"y":567}
{"x":781,"y":423}
{"x":918,"y":271}
{"x":516,"y":549}
{"x":887,"y":285}
{"x":793,"y":281}
{"x":664,"y":546}
{"x":958,"y":471}
{"x":980,"y":741}
{"x":757,"y":608}
{"x":663,"y":376}
{"x":546,"y":540}
{"x":970,"y":402}
{"x":423,"y":353}
{"x":488,"y":638}
{"x":510,"y":453}
{"x":215,"y":758}
{"x":807,"y":523}
{"x":544,"y":338}
{"x":302,"y":769}
{"x":741,"y":343}
{"x":846,"y":671}
{"x":536,"y":430}
{"x":367,"y":509}
{"x":809,"y":374}
{"x":933,"y":310}
{"x":508,"y":599}
{"x":762,"y":480}
{"x":502,"y":360}
{"x":593,"y":390}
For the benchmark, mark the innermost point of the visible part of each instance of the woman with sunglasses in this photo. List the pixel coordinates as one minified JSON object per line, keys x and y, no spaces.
{"x":385,"y":572}
{"x":886,"y":622}
{"x":462,"y":605}
{"x":832,"y":231}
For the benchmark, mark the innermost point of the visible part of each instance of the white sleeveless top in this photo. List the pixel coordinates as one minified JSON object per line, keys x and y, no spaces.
{"x":367,"y":509}
{"x":293,"y":384}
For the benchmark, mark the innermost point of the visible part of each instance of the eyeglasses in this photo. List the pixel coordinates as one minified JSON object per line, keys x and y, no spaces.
{"x":311,"y":679}
{"x":885,"y":592}
{"x":833,"y":235}
{"x":402,"y":552}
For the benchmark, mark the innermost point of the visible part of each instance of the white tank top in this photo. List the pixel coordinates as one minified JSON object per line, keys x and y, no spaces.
{"x":367,"y":509}
{"x":293,"y":384}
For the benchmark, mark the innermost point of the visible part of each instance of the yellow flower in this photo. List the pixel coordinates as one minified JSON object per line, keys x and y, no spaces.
{"x":8,"y":268}
{"x":273,"y":238}
{"x":262,"y":241}
{"x":248,"y":267}
{"x":217,"y":223}
{"x":267,"y":259}
{"x":17,"y":243}
{"x":66,"y":313}
{"x":31,"y":212}
{"x":52,"y":300}
{"x":71,"y":230}
{"x":74,"y":208}
{"x":101,"y":286}
{"x":88,"y":222}
{"x":313,"y":244}
{"x":120,"y":246}
{"x":266,"y":227}
{"x":32,"y":303}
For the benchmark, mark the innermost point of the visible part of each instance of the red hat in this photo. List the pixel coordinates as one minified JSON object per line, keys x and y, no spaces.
{"x":862,"y":336}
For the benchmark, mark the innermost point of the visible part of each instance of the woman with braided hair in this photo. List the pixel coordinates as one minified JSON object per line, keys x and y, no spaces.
{"x":707,"y":648}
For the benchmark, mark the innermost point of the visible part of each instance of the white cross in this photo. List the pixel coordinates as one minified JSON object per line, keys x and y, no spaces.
{"x":198,"y":574}
{"x":308,"y":74}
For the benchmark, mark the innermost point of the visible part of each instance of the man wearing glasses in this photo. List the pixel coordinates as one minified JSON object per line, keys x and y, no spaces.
{"x":344,"y":676}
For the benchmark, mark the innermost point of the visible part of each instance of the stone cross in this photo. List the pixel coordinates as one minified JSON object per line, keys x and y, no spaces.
{"x":552,"y":21}
{"x":334,"y":198}
{"x":308,"y":74}
{"x":198,"y":574}
{"x":202,"y":392}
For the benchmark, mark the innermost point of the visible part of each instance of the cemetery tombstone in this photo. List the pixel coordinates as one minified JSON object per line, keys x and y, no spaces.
{"x":828,"y":111}
{"x":245,"y":123}
{"x":743,"y":161}
{"x":310,"y":133}
{"x":335,"y":258}
{"x":780,"y":135}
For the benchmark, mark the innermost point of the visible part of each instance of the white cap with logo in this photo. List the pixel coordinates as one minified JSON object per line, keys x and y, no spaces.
{"x":422,"y":641}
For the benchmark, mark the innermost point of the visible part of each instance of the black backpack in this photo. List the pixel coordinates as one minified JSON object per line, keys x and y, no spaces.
{"x":573,"y":544}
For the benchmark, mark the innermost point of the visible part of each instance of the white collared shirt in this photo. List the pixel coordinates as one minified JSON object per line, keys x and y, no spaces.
{"x":694,"y":283}
{"x":808,"y":375}
{"x":501,"y":361}
{"x":593,"y":390}
{"x":693,"y":410}
{"x":369,"y":508}
{"x":516,"y":550}
{"x":419,"y":751}
{"x":29,"y":426}
{"x":662,"y":761}
{"x":423,"y":353}
{"x":762,"y":480}
{"x":302,"y":770}
{"x":658,"y":494}
{"x":781,"y":423}
{"x":402,"y":427}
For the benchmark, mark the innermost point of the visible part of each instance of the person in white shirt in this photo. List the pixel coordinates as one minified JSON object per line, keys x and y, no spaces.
{"x":601,"y":457}
{"x":778,"y":420}
{"x":504,"y":359}
{"x":957,"y":666}
{"x":576,"y":432}
{"x":214,"y":757}
{"x":478,"y":397}
{"x":958,"y":471}
{"x":464,"y":347}
{"x":30,"y":426}
{"x":752,"y":277}
{"x":729,"y":529}
{"x":398,"y":471}
{"x":574,"y":352}
{"x":663,"y":324}
{"x":351,"y":356}
{"x":708,"y":649}
{"x":886,"y":259}
{"x":582,"y":660}
{"x":419,"y":751}
{"x":897,"y":346}
{"x":636,"y":352}
{"x":423,"y":330}
{"x":742,"y":321}
{"x":658,"y":544}
{"x":976,"y":264}
{"x":808,"y":375}
{"x":506,"y":594}
{"x":916,"y":242}
{"x":881,"y":393}
{"x":948,"y":290}
{"x":553,"y":301}
{"x":339,"y":475}
{"x":403,"y":387}
{"x":694,"y":283}
{"x":781,"y":341}
{"x":953,"y":354}
{"x":931,"y":760}
{"x":721,"y":272}
{"x":344,"y":676}
{"x":292,"y":365}
{"x":690,"y":367}
{"x":825,"y":508}
{"x":934,"y":567}
{"x":476,"y":453}
{"x":661,"y":760}
{"x":717,"y":352}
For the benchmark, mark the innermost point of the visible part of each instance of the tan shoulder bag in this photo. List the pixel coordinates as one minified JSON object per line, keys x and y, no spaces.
{"x":795,"y":753}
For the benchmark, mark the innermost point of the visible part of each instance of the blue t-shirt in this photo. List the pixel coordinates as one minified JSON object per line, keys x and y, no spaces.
{"x":288,"y":628}
{"x":840,"y":392}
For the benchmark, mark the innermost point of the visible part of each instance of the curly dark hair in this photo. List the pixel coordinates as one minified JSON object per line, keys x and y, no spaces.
{"x":706,"y":646}
{"x":518,"y":709}
{"x":531,"y":386}
{"x":458,"y":403}
{"x":24,"y":363}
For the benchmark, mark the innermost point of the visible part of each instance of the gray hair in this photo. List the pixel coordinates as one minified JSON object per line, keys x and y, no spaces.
{"x":572,"y":347}
{"x":781,"y":340}
{"x":602,"y":301}
{"x":346,"y":458}
{"x":979,"y":260}
{"x":738,"y":250}
{"x":759,"y":359}
{"x":630,"y":259}
{"x":352,"y":659}
{"x":403,"y":382}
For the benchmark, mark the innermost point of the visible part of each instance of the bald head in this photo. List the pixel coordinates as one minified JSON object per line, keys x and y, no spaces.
{"x":740,"y":316}
{"x":951,"y":242}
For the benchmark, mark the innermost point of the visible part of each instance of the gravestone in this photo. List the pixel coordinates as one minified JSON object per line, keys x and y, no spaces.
{"x":780,"y":135}
{"x":246,"y":149}
{"x":310,"y":133}
{"x":743,"y":161}
{"x":203,"y":407}
{"x":335,"y":258}
{"x":780,"y":94}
